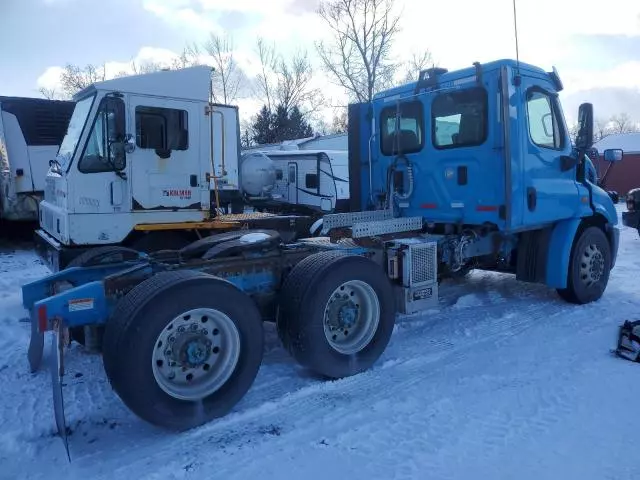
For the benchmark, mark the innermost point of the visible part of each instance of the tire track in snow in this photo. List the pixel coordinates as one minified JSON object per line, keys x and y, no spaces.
{"x":323,"y":397}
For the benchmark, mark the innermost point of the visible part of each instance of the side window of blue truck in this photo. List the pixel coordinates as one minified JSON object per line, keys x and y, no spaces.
{"x":402,"y":128}
{"x":459,"y":118}
{"x":544,"y":127}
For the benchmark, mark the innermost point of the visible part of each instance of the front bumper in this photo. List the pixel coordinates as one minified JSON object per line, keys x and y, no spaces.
{"x":54,"y":255}
{"x":631,"y":219}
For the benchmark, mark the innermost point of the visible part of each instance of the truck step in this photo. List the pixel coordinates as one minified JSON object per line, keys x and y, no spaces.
{"x":338,"y":220}
{"x":385,"y":227}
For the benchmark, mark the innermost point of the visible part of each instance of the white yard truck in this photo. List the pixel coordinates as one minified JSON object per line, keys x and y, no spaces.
{"x":148,"y":162}
{"x":31,"y":130}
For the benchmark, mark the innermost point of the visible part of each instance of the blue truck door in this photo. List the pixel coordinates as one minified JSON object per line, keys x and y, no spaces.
{"x":549,"y":193}
{"x":460,"y":174}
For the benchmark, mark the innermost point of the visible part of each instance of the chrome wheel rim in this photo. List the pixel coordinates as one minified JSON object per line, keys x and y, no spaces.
{"x":592,"y":265}
{"x":351,"y":317}
{"x":195,"y":354}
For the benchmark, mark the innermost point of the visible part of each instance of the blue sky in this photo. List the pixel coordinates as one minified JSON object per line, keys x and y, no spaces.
{"x":594,"y":44}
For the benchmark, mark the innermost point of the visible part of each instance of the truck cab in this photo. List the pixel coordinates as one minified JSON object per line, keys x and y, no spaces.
{"x":483,"y":156}
{"x":140,"y":150}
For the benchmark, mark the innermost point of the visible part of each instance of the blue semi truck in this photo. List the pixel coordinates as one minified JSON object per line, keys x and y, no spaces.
{"x":460,"y":170}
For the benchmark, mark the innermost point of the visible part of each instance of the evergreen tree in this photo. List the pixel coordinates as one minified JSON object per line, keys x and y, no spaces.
{"x":281,"y":125}
{"x":263,"y":131}
{"x":299,"y":128}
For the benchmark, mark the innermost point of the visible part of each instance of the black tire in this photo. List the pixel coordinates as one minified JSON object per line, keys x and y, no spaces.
{"x":156,"y":241}
{"x":581,"y":289}
{"x":103,"y":255}
{"x":130,"y":339}
{"x":300,"y":320}
{"x":98,"y":256}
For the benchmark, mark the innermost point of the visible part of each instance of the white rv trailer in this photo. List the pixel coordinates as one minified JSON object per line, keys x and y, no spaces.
{"x":31,"y":130}
{"x":310,"y":181}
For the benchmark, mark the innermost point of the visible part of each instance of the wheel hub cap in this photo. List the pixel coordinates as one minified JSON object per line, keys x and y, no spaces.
{"x":193,"y":351}
{"x":592,"y":265}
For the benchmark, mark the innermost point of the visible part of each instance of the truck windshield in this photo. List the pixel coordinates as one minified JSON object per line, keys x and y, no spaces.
{"x":74,"y":130}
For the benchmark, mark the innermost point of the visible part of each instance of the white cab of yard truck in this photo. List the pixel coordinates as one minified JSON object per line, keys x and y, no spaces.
{"x":31,"y":130}
{"x":140,"y":151}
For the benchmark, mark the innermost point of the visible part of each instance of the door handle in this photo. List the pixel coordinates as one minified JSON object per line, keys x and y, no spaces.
{"x":532,"y":197}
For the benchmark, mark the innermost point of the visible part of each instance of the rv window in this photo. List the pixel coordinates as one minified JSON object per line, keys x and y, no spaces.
{"x":311,"y":180}
{"x":278,"y":174}
{"x":292,"y":174}
{"x":101,"y":153}
{"x":401,"y":128}
{"x":459,"y":119}
{"x":544,"y":127}
{"x":161,"y":128}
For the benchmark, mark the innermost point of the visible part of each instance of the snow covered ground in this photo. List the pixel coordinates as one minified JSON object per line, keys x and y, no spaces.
{"x":505,"y":381}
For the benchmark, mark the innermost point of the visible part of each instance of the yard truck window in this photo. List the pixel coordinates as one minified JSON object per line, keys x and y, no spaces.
{"x":459,"y":118}
{"x":103,"y":151}
{"x":161,"y":128}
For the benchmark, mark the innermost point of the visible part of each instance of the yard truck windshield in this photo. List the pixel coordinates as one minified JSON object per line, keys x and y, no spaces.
{"x":74,"y":131}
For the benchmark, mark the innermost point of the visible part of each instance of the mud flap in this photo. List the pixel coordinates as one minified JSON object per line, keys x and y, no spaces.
{"x":36,"y":346}
{"x":56,"y":363}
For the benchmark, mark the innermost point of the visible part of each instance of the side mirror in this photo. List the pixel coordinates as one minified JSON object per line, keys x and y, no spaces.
{"x":117,"y":153}
{"x":613,"y":155}
{"x":584,"y":139}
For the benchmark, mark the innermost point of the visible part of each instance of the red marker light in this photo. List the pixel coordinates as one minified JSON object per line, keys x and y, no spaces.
{"x":42,"y":319}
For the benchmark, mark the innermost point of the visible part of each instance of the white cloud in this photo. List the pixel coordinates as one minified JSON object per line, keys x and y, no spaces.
{"x":623,"y":75}
{"x":50,"y":79}
{"x":178,"y":14}
{"x":456,"y":33}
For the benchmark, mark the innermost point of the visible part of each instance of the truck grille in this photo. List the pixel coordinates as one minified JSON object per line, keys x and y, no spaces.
{"x":50,"y":190}
{"x":47,"y":219}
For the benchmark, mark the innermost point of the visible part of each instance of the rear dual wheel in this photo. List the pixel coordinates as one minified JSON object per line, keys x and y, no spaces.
{"x":336,"y":313}
{"x":182,"y":348}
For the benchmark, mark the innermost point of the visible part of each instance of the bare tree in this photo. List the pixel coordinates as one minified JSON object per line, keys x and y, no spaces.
{"x":228,"y":78}
{"x":417,"y":63}
{"x":622,"y":123}
{"x":359,"y":56}
{"x":138,"y":68}
{"x":286,"y":83}
{"x":294,"y":85}
{"x":74,"y":78}
{"x":340,"y":121}
{"x":189,"y":57}
{"x":50,"y":93}
{"x":600,"y":129}
{"x":265,"y":79}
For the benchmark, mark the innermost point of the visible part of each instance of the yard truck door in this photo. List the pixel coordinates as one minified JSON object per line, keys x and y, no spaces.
{"x":101,"y":183}
{"x":166,"y":173}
